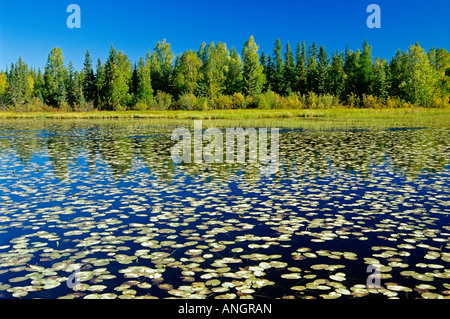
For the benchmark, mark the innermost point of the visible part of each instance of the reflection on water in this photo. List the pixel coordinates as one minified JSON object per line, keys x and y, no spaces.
{"x":108,"y":198}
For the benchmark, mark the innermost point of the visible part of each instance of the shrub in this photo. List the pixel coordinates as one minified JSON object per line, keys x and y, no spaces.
{"x":163,"y":101}
{"x":353,"y":100}
{"x":221,"y":102}
{"x":369,"y":102}
{"x":65,"y":107}
{"x":438,"y":102}
{"x":141,"y":106}
{"x":326,"y":101}
{"x":292,"y":101}
{"x":392,"y":102}
{"x":269,"y":100}
{"x":187,"y":101}
{"x":312,"y":100}
{"x":238,"y":101}
{"x":251,"y":102}
{"x":264,"y":102}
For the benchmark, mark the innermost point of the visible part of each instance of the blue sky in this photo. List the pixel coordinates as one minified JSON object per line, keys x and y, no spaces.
{"x":30,"y":29}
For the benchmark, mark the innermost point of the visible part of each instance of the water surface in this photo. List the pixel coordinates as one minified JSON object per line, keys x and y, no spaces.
{"x":107,"y":198}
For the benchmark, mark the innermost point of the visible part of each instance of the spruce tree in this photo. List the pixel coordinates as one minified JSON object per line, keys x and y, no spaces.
{"x":277,"y":79}
{"x":143,"y":82}
{"x":364,"y":76}
{"x":312,"y":76}
{"x":70,"y":84}
{"x":322,"y":70}
{"x":100,"y":85}
{"x":300,"y":67}
{"x":379,"y":81}
{"x":336,"y":76}
{"x":20,"y":83}
{"x":117,"y":80}
{"x":289,"y":70}
{"x":253,"y":76}
{"x":351,"y":69}
{"x":89,"y":85}
{"x":54,"y":75}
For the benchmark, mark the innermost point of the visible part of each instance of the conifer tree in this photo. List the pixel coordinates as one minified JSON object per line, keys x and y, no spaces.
{"x":117,"y":80}
{"x":143,"y":91}
{"x":89,"y":85}
{"x":21,"y":84}
{"x":54,"y":75}
{"x":364,"y":76}
{"x":253,"y":76}
{"x":335,"y":81}
{"x":278,"y":63}
{"x":300,"y":67}
{"x":100,"y":85}
{"x":322,"y":70}
{"x":351,"y":68}
{"x":312,"y":76}
{"x":379,"y":81}
{"x":70,"y":84}
{"x":289,"y":71}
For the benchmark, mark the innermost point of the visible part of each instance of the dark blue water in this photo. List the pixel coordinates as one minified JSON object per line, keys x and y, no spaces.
{"x":85,"y":194}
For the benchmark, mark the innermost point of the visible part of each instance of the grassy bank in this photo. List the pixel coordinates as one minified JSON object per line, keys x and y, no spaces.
{"x":356,"y":118}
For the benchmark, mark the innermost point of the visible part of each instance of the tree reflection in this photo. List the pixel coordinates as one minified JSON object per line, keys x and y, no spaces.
{"x":303,"y":154}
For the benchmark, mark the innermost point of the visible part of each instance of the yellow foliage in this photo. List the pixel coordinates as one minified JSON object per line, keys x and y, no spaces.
{"x":3,"y":84}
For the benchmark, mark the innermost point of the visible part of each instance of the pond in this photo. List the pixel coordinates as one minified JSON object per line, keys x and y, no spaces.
{"x":98,"y":209}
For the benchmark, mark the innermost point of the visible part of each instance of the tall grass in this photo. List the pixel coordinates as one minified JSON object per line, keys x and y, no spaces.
{"x":294,"y":118}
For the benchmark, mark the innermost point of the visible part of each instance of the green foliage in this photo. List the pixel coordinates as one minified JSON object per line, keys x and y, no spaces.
{"x":253,"y":76}
{"x":142,"y":83}
{"x":89,"y":85}
{"x":322,"y":71}
{"x":233,"y":74}
{"x":351,"y":70}
{"x":187,"y":101}
{"x":100,"y":84}
{"x":187,"y":73}
{"x":161,"y":66}
{"x":379,"y":78}
{"x":269,"y":100}
{"x":54,"y":78}
{"x":117,"y":79}
{"x":300,"y":68}
{"x":19,"y":88}
{"x":163,"y":101}
{"x":312,"y":74}
{"x":289,"y":76}
{"x":239,"y":101}
{"x":336,"y":75}
{"x":419,"y":76}
{"x":278,"y":68}
{"x":215,"y":78}
{"x":364,"y":70}
{"x":214,"y":70}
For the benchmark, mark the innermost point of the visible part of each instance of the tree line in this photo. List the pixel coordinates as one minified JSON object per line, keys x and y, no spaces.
{"x":217,"y":77}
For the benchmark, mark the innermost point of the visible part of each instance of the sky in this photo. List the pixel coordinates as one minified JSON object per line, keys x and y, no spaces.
{"x":30,"y":29}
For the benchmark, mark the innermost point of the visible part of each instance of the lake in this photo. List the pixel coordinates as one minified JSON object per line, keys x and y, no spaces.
{"x":98,"y":209}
